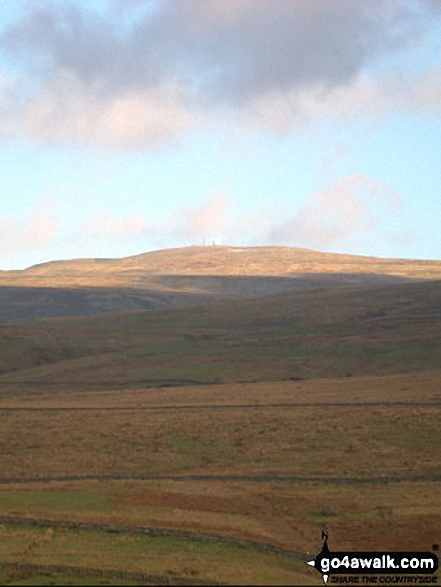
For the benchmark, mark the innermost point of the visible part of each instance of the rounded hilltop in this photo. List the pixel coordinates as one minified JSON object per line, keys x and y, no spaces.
{"x":216,"y":261}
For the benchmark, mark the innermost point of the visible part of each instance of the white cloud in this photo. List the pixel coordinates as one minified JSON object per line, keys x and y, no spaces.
{"x":421,"y":96}
{"x":35,"y":231}
{"x":354,"y":209}
{"x":352,"y":206}
{"x":106,"y":226}
{"x":209,"y":220}
{"x":67,"y":111}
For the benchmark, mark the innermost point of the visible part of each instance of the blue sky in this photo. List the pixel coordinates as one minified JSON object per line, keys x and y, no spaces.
{"x":132,"y":125}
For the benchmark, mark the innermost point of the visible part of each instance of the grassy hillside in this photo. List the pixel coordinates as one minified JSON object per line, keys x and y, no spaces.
{"x":189,"y":276}
{"x":163,"y":291}
{"x":34,"y":303}
{"x":322,"y":412}
{"x":137,"y":271}
{"x":337,"y":332}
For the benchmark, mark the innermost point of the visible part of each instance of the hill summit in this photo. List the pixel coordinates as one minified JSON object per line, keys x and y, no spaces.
{"x":214,"y":261}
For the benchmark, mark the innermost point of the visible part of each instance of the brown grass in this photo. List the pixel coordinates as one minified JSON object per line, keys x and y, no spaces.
{"x":393,"y":517}
{"x":213,"y":261}
{"x":317,"y":334}
{"x":351,"y":441}
{"x":413,"y":387}
{"x":324,"y":441}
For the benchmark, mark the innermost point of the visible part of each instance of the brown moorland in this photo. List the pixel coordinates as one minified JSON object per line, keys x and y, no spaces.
{"x":341,"y":441}
{"x":344,"y":331}
{"x":189,"y":276}
{"x":239,"y":261}
{"x":193,"y":442}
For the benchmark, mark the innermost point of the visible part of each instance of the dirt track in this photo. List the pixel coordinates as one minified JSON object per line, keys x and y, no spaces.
{"x":228,"y":478}
{"x":290,"y":405}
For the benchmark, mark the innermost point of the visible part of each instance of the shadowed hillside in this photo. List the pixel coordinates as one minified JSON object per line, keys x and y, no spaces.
{"x":159,"y":292}
{"x":32,"y":303}
{"x":262,"y":314}
{"x":334,"y":332}
{"x":189,"y":276}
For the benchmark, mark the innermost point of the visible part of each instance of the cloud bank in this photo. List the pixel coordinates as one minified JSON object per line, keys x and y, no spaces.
{"x":143,"y":73}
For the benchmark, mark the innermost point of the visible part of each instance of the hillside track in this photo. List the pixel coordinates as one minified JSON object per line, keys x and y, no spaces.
{"x":290,"y":405}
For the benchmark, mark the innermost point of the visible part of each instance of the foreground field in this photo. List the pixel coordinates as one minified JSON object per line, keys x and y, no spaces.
{"x":232,"y":483}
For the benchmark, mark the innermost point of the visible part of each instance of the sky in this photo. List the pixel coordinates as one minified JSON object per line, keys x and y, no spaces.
{"x":128,"y":126}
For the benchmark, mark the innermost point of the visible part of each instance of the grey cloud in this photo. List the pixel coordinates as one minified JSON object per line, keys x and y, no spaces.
{"x":66,"y":37}
{"x":217,"y":55}
{"x":225,"y":50}
{"x":237,"y":50}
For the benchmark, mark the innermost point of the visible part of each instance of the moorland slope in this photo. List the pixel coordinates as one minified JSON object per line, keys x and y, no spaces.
{"x":189,"y":276}
{"x":232,"y":261}
{"x":334,"y":332}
